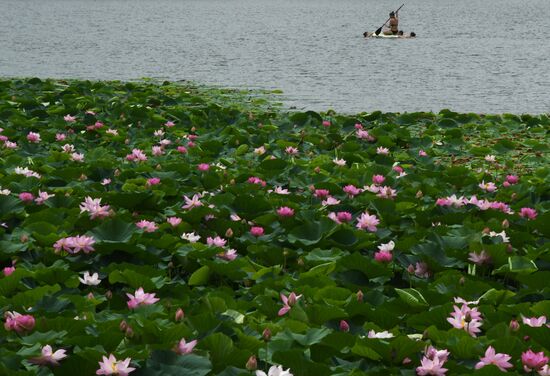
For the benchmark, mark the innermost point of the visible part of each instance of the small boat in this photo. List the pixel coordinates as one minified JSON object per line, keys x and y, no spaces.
{"x":372,"y":34}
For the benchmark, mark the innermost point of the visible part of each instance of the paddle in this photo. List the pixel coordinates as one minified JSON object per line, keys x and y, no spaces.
{"x":379,"y":30}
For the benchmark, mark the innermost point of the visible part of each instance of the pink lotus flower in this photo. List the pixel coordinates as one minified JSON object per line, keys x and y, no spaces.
{"x":182,"y":149}
{"x":18,"y":322}
{"x":280,"y":191}
{"x":33,"y":137}
{"x":184,"y":347}
{"x":382,"y":150}
{"x":42,"y":197}
{"x":256,"y":180}
{"x":26,"y":172}
{"x":330,"y":201}
{"x":533,"y":361}
{"x":490,"y":158}
{"x":192,"y":137}
{"x":489,"y":187}
{"x":431,"y":367}
{"x":386,"y":192}
{"x":111,"y":366}
{"x":60,"y":137}
{"x":147,"y":226}
{"x":528,"y":213}
{"x":216,"y":242}
{"x":113,"y":132}
{"x":285,"y":211}
{"x":378,"y":179}
{"x":341,"y":217}
{"x":169,"y":124}
{"x":433,"y":353}
{"x":512,"y":179}
{"x":68,"y":148}
{"x":364,"y":135}
{"x":383,"y":256}
{"x":491,"y":357}
{"x":141,"y":298}
{"x":69,"y":118}
{"x":153,"y":181}
{"x":256,"y":231}
{"x":535,"y":322}
{"x":94,"y":208}
{"x":75,"y":244}
{"x":136,"y":155}
{"x":10,"y":145}
{"x":368,"y":222}
{"x":321,"y":193}
{"x":259,"y":150}
{"x":421,"y":270}
{"x":274,"y":371}
{"x":49,"y":357}
{"x":229,"y":255}
{"x":291,"y":150}
{"x":351,"y":190}
{"x":77,"y":157}
{"x":326,"y":123}
{"x":339,"y":162}
{"x":106,"y":181}
{"x":173,"y":221}
{"x":203,"y":167}
{"x":26,"y":197}
{"x":422,"y":153}
{"x":468,"y":319}
{"x":191,"y":203}
{"x":157,"y":150}
{"x":8,"y":270}
{"x":288,"y":302}
{"x":480,"y":258}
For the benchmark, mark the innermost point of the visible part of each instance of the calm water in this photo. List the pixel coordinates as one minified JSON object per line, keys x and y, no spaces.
{"x":471,"y":55}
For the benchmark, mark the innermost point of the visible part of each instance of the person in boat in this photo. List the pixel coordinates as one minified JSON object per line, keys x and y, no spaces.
{"x":393,"y":27}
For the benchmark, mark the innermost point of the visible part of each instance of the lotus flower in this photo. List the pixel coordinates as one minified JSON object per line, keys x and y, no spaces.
{"x":111,"y":366}
{"x":491,"y":357}
{"x":184,"y":347}
{"x":141,"y":298}
{"x":275,"y":371}
{"x":49,"y":357}
{"x":288,"y":302}
{"x":18,"y":322}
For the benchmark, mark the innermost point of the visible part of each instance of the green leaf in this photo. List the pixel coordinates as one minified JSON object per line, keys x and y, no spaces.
{"x":164,"y":363}
{"x":114,"y":231}
{"x":412,"y":297}
{"x":199,"y":276}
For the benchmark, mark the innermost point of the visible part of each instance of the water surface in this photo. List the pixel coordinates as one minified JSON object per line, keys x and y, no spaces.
{"x":470,"y":55}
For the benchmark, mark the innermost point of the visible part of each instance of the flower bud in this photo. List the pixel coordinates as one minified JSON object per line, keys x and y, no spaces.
{"x":252,"y":363}
{"x":266,"y":334}
{"x":129,"y":332}
{"x":229,"y":232}
{"x":407,"y":361}
{"x":109,"y":294}
{"x":344,"y":326}
{"x":514,"y":325}
{"x":24,"y":238}
{"x":462,"y":281}
{"x":90,"y":296}
{"x":360,"y":296}
{"x":123,"y":326}
{"x":179,"y":314}
{"x":410,"y":269}
{"x":505,"y":224}
{"x":317,"y":169}
{"x":419,"y":194}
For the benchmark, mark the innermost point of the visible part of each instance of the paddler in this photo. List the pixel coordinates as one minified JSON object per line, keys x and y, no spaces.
{"x":393,"y":28}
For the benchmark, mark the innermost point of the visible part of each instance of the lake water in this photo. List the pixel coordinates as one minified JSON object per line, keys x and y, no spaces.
{"x":487,"y":56}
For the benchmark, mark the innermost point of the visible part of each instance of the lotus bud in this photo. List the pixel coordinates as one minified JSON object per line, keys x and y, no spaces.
{"x":179,"y":314}
{"x":509,"y":248}
{"x":526,"y":338}
{"x":266,"y":334}
{"x":252,"y":363}
{"x":285,"y":252}
{"x":486,"y":230}
{"x":513,"y":196}
{"x":311,"y":188}
{"x":344,"y":326}
{"x":462,"y":281}
{"x":82,"y":177}
{"x":360,"y":296}
{"x":24,"y":238}
{"x":109,"y":294}
{"x":127,"y":141}
{"x":158,"y":167}
{"x":170,"y":265}
{"x":505,"y":224}
{"x":229,"y":232}
{"x":193,"y":129}
{"x":123,"y":326}
{"x":129,"y":332}
{"x":300,"y":261}
{"x":419,"y":194}
{"x":232,"y":181}
{"x":514,"y":325}
{"x":317,"y":169}
{"x":410,"y":269}
{"x":90,"y":296}
{"x":407,"y":361}
{"x":117,"y":172}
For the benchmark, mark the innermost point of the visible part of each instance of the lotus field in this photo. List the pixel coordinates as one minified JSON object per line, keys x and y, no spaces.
{"x":163,"y":229}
